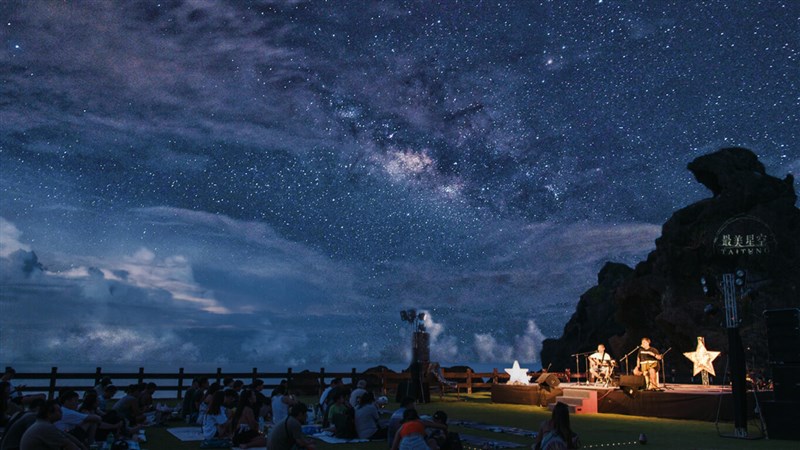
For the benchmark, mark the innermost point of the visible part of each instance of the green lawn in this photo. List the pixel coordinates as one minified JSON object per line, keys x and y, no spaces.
{"x":596,"y":431}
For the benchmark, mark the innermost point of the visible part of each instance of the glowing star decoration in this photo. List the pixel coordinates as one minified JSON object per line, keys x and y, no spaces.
{"x":518,"y":375}
{"x":702,"y":358}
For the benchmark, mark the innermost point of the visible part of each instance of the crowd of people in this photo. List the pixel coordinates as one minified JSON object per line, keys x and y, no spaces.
{"x":232,"y":414}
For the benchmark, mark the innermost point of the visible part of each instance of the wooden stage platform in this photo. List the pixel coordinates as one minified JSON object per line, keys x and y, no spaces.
{"x":675,"y":401}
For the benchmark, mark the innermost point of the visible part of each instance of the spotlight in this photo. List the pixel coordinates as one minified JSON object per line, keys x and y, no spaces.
{"x":741,"y":277}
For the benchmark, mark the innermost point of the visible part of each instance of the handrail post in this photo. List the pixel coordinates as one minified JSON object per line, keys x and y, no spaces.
{"x":219,"y":374}
{"x":288,"y":378}
{"x":141,"y":375}
{"x":97,"y":375}
{"x":51,"y":393}
{"x":321,"y":381}
{"x":353,"y":376}
{"x":469,"y":381}
{"x":255,"y":376}
{"x":384,"y":388}
{"x":180,"y":383}
{"x":494,"y":375}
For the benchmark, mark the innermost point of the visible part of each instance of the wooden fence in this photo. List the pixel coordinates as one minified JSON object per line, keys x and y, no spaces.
{"x":308,"y":382}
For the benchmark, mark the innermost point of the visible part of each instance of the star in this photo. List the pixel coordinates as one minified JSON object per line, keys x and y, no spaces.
{"x":518,"y":375}
{"x":702,"y":358}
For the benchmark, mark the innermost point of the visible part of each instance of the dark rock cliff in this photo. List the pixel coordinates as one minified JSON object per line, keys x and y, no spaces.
{"x":662,"y":297}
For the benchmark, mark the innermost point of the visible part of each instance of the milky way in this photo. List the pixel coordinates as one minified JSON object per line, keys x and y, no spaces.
{"x":272,"y":182}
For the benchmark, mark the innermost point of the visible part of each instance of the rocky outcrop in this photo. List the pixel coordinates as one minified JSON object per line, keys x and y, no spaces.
{"x":593,"y":322}
{"x":663,"y":298}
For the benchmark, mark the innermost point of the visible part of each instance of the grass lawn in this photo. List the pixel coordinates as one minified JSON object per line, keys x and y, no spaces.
{"x":596,"y":431}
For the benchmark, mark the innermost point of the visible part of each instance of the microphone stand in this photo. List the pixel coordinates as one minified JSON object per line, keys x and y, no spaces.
{"x":578,"y":366}
{"x":627,"y":371}
{"x":664,"y":368}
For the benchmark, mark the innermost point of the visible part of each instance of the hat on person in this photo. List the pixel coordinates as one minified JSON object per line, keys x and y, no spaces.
{"x":362,"y":384}
{"x":382,"y":400}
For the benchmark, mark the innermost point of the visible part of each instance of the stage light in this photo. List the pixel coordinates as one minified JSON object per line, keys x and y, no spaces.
{"x":741,"y":277}
{"x":421,"y":316}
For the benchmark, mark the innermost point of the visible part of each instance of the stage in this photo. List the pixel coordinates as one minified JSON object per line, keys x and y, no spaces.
{"x":676,"y":401}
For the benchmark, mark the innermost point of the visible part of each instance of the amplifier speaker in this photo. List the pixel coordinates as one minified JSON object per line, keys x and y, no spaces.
{"x":786,"y":379}
{"x":635,"y":382}
{"x":783,"y":335}
{"x":548,"y":380}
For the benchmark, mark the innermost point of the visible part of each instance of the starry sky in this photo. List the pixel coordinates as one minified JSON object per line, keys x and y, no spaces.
{"x":270,"y":182}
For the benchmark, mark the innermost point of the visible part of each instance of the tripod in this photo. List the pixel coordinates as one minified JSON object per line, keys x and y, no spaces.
{"x":762,"y":424}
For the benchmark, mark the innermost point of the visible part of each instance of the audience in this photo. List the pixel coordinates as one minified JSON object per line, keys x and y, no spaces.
{"x":216,"y":422}
{"x":556,"y":433}
{"x":16,"y":394}
{"x":281,"y":401}
{"x":18,"y":424}
{"x":361,"y":389}
{"x":244,"y":424}
{"x":288,"y":433}
{"x":7,"y":407}
{"x":367,"y":419}
{"x":43,"y":434}
{"x":411,"y":435}
{"x":82,"y":426}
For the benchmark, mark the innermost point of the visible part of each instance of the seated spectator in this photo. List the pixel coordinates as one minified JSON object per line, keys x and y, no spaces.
{"x":341,"y":416}
{"x":18,"y":424}
{"x":263,"y":405}
{"x":444,"y":440}
{"x":43,"y":434}
{"x":244,"y":424}
{"x":16,"y":391}
{"x":146,"y":397}
{"x":82,"y":426}
{"x":128,"y":406}
{"x":411,"y":435}
{"x":325,"y":400}
{"x":281,"y":401}
{"x":396,"y":419}
{"x":361,"y":389}
{"x":367,"y":418}
{"x":237,"y":386}
{"x":288,"y":433}
{"x":101,"y":386}
{"x":216,"y":422}
{"x":104,"y":401}
{"x":556,"y":432}
{"x":207,"y":396}
{"x":7,"y":407}
{"x":110,"y":422}
{"x":187,"y":405}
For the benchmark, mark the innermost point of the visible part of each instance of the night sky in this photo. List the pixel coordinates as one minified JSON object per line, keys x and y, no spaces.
{"x":215,"y":182}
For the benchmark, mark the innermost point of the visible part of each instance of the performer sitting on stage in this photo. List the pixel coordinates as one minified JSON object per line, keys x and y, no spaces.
{"x":647,"y":363}
{"x":600,"y":363}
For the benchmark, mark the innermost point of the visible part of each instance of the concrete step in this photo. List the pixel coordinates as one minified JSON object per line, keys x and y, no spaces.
{"x":580,"y":393}
{"x":573,"y":401}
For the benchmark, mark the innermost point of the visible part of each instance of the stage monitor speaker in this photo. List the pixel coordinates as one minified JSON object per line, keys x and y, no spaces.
{"x":786,"y":380}
{"x":548,"y":380}
{"x":783,"y":335}
{"x":635,"y":382}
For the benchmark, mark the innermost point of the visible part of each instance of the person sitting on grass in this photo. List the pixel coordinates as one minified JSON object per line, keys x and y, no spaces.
{"x":281,"y":401}
{"x":104,"y":401}
{"x":82,"y":426}
{"x":18,"y":424}
{"x":7,"y":407}
{"x":411,"y":435}
{"x":205,"y":400}
{"x":43,"y":434}
{"x":216,"y":422}
{"x":368,"y":425}
{"x":244,"y":424}
{"x":128,"y":406}
{"x":16,"y":391}
{"x":556,"y":434}
{"x":342,"y":417}
{"x":146,"y":397}
{"x":288,"y":433}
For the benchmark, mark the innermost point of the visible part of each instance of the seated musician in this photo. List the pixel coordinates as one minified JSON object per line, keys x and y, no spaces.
{"x":647,"y":363}
{"x":599,"y":363}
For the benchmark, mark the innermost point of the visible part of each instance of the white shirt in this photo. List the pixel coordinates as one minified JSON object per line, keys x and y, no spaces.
{"x":70,"y":419}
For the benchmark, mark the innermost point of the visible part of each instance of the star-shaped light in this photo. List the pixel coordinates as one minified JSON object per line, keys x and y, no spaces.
{"x":518,"y":375}
{"x":702,"y":358}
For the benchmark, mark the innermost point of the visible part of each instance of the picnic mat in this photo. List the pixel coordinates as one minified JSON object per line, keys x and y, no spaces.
{"x":326,"y":436}
{"x":187,"y":434}
{"x":482,"y":442}
{"x":494,"y":428}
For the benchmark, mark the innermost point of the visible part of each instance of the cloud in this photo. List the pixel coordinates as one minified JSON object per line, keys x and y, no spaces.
{"x":523,"y":347}
{"x":10,"y":239}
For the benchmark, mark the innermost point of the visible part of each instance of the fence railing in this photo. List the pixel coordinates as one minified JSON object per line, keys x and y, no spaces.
{"x":307,"y":382}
